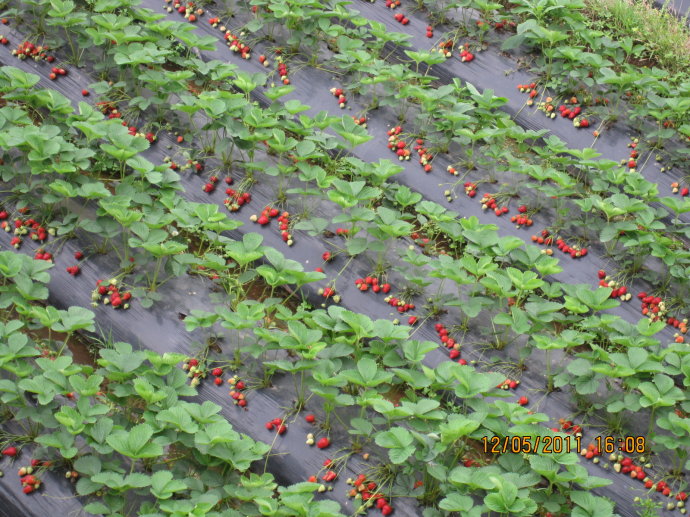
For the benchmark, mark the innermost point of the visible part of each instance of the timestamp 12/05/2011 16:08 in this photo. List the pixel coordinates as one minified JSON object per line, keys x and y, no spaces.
{"x":560,"y":444}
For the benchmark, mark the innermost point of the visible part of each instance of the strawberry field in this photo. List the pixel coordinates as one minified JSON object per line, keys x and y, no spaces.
{"x":324,"y":258}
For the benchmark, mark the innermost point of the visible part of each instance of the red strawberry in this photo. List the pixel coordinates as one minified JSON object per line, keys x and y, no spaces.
{"x":684,"y":191}
{"x":217,"y":372}
{"x":310,"y":418}
{"x":269,"y":426}
{"x":28,"y":489}
{"x":387,"y":509}
{"x":85,"y":93}
{"x":523,"y":401}
{"x":218,"y":381}
{"x":323,"y":443}
{"x":78,"y":255}
{"x":10,"y":451}
{"x":282,"y":429}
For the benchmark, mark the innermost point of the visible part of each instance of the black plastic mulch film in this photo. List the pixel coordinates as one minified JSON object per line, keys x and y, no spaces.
{"x":144,"y":328}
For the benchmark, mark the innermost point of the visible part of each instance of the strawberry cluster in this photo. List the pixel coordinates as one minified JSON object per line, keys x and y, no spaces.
{"x":339,"y":94}
{"x":235,"y":45}
{"x":425,"y":156}
{"x":397,"y":145}
{"x":591,"y":453}
{"x":681,"y":325}
{"x":269,"y":213}
{"x":217,"y":376}
{"x":401,"y":18}
{"x":489,"y":202}
{"x":24,"y":227}
{"x":446,"y":48}
{"x":626,"y":465}
{"x":363,"y":284}
{"x":264,"y":60}
{"x":360,"y":121}
{"x":327,"y":292}
{"x":652,"y":306}
{"x":109,"y":109}
{"x":572,"y":111}
{"x":28,"y":49}
{"x":567,"y":426}
{"x":321,"y":443}
{"x":199,"y":167}
{"x":470,"y":187}
{"x":110,"y":295}
{"x":547,"y":107}
{"x":236,"y":199}
{"x":392,"y":4}
{"x":366,"y":490}
{"x":30,"y":483}
{"x":210,"y":186}
{"x":282,"y":71}
{"x":631,"y":161}
{"x":42,"y":254}
{"x":429,"y":31}
{"x":521,"y":220}
{"x":73,"y":270}
{"x":573,"y":251}
{"x":531,"y":89}
{"x":449,"y":343}
{"x":399,"y":304}
{"x":465,"y":55}
{"x":329,"y":476}
{"x":618,"y":291}
{"x":675,"y":188}
{"x":419,"y":240}
{"x":237,"y":392}
{"x":55,"y":72}
{"x":508,"y":384}
{"x":546,"y":239}
{"x":277,"y":424}
{"x":189,"y":10}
